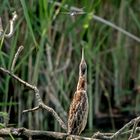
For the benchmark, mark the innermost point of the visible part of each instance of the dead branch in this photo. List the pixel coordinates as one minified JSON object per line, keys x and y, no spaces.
{"x":38,"y":98}
{"x":43,"y":135}
{"x":37,"y":134}
{"x":121,"y":132}
{"x":16,"y":57}
{"x":12,"y":21}
{"x":137,"y":120}
{"x":126,"y":126}
{"x":11,"y":25}
{"x":138,"y":138}
{"x":36,"y":91}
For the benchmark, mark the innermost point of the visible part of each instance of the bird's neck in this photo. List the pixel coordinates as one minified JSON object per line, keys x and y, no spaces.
{"x":82,"y":83}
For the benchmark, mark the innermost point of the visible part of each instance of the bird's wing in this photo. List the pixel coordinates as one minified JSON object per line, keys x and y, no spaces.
{"x":76,"y":112}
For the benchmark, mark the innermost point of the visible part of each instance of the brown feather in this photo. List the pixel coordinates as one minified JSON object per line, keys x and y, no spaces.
{"x":77,"y":114}
{"x":78,"y":111}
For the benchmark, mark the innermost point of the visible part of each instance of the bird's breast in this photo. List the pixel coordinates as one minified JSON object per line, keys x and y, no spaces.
{"x":78,"y":113}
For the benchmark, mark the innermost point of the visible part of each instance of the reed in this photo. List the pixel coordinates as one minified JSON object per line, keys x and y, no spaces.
{"x":52,"y":37}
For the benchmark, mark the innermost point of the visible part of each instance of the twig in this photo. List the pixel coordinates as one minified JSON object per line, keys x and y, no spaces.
{"x":130,"y":131}
{"x":134,"y":128}
{"x":15,"y":57}
{"x":106,"y":136}
{"x":124,"y":127}
{"x":18,"y":79}
{"x":43,"y":106}
{"x":8,"y":35}
{"x":31,"y":110}
{"x":120,"y":132}
{"x":43,"y":135}
{"x":97,"y":18}
{"x":102,"y":136}
{"x":138,"y":138}
{"x":37,"y":134}
{"x":38,"y":98}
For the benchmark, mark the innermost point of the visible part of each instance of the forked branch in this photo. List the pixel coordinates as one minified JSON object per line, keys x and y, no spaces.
{"x":36,"y":91}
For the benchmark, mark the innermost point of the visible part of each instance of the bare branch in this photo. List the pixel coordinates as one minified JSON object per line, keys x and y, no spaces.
{"x":15,"y":57}
{"x":62,"y":124}
{"x":31,"y":110}
{"x":49,"y":109}
{"x":103,"y":136}
{"x":120,"y":132}
{"x":97,"y":18}
{"x":37,"y":134}
{"x":124,"y":127}
{"x":138,"y":138}
{"x":130,"y":131}
{"x":18,"y":79}
{"x":11,"y":25}
{"x":38,"y":99}
{"x":43,"y":135}
{"x":137,"y":120}
{"x":12,"y":21}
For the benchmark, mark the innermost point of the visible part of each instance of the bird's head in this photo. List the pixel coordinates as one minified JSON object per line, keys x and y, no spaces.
{"x":82,"y":66}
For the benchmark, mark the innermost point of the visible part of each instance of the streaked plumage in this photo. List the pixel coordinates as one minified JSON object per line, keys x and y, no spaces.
{"x":78,"y":111}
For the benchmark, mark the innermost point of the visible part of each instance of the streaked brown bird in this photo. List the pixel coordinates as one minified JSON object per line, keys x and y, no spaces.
{"x":78,"y":112}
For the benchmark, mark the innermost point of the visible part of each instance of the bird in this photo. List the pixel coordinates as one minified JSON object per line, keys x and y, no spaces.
{"x":78,"y":111}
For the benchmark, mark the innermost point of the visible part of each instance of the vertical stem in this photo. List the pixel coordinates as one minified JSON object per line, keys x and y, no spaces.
{"x":90,"y":95}
{"x":97,"y":92}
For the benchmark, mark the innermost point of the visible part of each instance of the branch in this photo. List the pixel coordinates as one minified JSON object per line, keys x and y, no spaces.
{"x":11,"y":25}
{"x":126,"y":126}
{"x":38,"y":98}
{"x":120,"y":132}
{"x":18,"y":79}
{"x":77,"y":11}
{"x":15,"y":57}
{"x":12,"y":21}
{"x":137,"y":120}
{"x":138,"y":138}
{"x":43,"y":135}
{"x":36,"y":91}
{"x":37,"y":134}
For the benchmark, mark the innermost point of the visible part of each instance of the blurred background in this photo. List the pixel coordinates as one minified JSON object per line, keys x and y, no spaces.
{"x":53,"y":36}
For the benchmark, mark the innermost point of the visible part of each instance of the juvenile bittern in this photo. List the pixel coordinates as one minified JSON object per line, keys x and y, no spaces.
{"x":78,"y":111}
